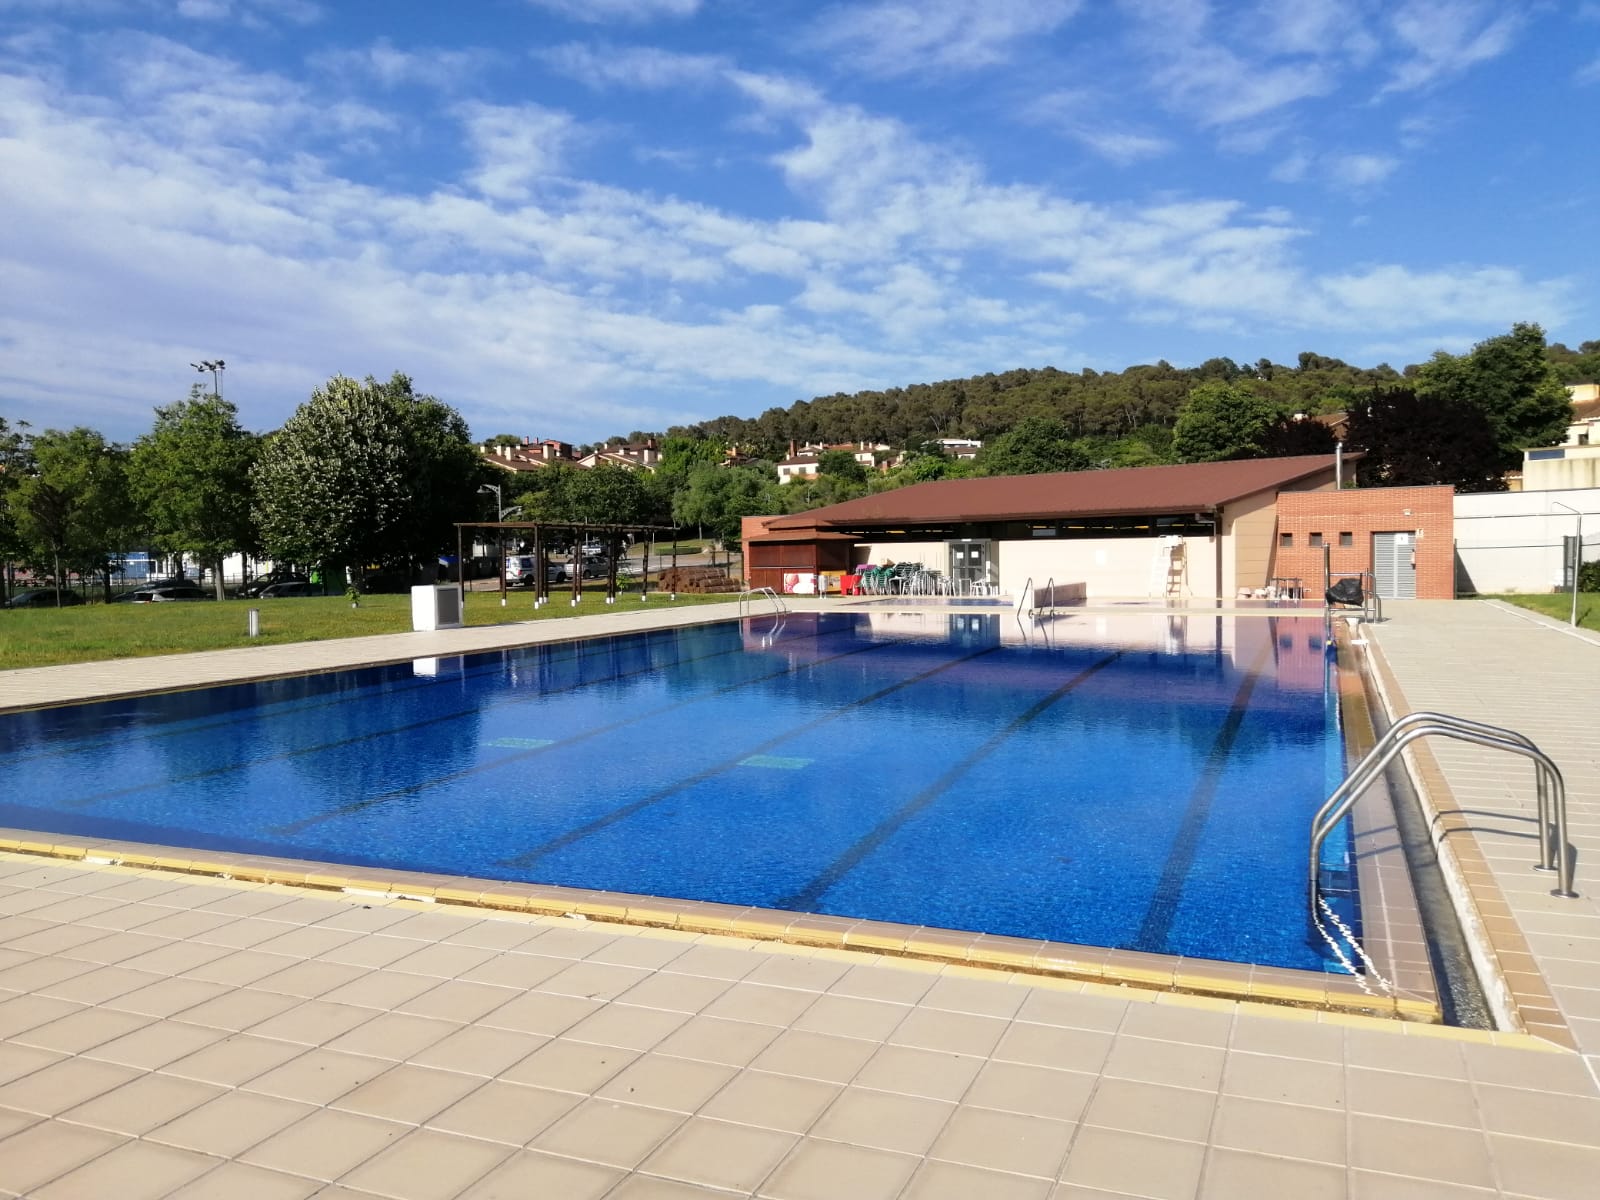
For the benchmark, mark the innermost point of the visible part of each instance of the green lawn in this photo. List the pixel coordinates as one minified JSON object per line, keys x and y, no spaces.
{"x":46,"y":636}
{"x":1559,"y":606}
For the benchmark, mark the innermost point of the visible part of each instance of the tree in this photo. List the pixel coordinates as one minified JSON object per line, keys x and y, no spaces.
{"x":1036,"y":445}
{"x":715,"y":498}
{"x":190,"y":475}
{"x":72,"y":510}
{"x":1223,"y":421}
{"x":841,"y":464}
{"x":16,"y":460}
{"x":365,"y":473}
{"x":1512,"y":382}
{"x":1411,"y":439}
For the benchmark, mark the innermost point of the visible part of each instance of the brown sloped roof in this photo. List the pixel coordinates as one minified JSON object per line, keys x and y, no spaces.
{"x":1193,"y":487}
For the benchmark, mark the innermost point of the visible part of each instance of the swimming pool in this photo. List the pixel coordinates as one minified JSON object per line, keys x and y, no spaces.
{"x":1143,"y":783}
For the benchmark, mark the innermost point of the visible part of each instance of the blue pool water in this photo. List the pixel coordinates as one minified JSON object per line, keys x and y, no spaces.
{"x":1144,"y":785}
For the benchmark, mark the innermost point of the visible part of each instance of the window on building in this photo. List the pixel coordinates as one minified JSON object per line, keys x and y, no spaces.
{"x":1285,"y":541}
{"x":1315,"y":540}
{"x":1347,"y":538}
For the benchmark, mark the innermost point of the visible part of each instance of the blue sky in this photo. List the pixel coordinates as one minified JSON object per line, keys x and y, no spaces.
{"x":575,"y":218}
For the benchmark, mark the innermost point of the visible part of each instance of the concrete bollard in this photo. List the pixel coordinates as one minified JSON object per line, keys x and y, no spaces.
{"x":254,"y":619}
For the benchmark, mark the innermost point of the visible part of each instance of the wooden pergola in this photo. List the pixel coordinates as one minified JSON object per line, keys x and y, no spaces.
{"x":578,"y":532}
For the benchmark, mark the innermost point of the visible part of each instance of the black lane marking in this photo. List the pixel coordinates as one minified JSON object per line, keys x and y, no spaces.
{"x":413,"y":789}
{"x":1157,"y":924}
{"x":808,"y":896}
{"x":577,"y":834}
{"x":438,"y":719}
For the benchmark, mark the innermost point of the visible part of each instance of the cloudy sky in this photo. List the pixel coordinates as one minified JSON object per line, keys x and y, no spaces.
{"x":575,"y":218}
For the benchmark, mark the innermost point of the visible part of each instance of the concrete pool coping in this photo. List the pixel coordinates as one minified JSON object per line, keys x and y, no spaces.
{"x":1395,"y":942}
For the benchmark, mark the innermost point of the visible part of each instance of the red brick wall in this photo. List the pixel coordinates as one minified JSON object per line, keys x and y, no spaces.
{"x":1425,"y":511}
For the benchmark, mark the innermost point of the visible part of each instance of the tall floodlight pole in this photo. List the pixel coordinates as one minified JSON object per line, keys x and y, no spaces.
{"x":1577,"y":558}
{"x":216,"y":368}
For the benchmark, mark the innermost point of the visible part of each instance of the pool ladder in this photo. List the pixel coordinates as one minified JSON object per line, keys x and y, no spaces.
{"x":750,"y":595}
{"x":1555,"y":852}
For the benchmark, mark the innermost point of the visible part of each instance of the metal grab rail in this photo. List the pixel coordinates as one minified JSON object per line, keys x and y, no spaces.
{"x":750,"y":593}
{"x":1049,"y":605}
{"x":1371,"y":603}
{"x":1025,"y":597}
{"x":1553,"y":850}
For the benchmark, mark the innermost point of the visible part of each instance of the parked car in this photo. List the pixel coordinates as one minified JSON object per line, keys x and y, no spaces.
{"x":161,"y":595}
{"x":272,"y":578}
{"x":295,"y":587}
{"x":44,"y":598}
{"x":521,"y":570}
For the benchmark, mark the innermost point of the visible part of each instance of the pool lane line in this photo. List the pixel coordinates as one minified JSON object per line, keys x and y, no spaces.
{"x":307,"y":704}
{"x":413,"y":789}
{"x":806,"y":898}
{"x":441,"y":718}
{"x":1156,"y":927}
{"x":578,"y":833}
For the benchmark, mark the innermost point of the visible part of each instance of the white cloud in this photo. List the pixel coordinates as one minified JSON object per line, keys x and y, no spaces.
{"x":904,"y":37}
{"x":596,"y":12}
{"x":1079,"y":115}
{"x":392,"y":67}
{"x":515,"y":145}
{"x":1448,"y":37}
{"x":1588,"y":73}
{"x":643,"y":67}
{"x":1357,"y":172}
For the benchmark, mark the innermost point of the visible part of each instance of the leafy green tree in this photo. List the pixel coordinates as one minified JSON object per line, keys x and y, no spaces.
{"x":841,"y":464}
{"x":1511,"y":381}
{"x":607,"y":495}
{"x":1037,"y":445}
{"x":365,"y":472}
{"x":73,"y":510}
{"x":1224,"y":421}
{"x":715,"y":498}
{"x":16,"y":459}
{"x":190,"y":475}
{"x":1409,"y":439}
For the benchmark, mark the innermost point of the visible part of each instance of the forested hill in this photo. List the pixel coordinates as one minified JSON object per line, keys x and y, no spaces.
{"x":1092,"y":404}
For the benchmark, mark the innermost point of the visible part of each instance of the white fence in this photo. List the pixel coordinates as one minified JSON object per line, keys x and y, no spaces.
{"x":1512,"y":541}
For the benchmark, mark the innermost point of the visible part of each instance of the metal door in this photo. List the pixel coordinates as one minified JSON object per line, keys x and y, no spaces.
{"x":1394,"y":565}
{"x":970,"y":565}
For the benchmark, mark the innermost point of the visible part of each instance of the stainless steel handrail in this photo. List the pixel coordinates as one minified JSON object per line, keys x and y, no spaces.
{"x":1371,"y":602}
{"x":1554,"y":851}
{"x":750,"y":593}
{"x":1048,"y":608}
{"x":1025,"y":598}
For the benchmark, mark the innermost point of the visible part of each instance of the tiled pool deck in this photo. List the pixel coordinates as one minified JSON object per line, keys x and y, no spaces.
{"x":171,"y":1035}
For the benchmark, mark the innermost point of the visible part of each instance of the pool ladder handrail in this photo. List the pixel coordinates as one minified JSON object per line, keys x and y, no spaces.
{"x":749,"y":595}
{"x":1554,"y":848}
{"x":1025,"y":598}
{"x":1371,"y":602}
{"x":1048,"y":608}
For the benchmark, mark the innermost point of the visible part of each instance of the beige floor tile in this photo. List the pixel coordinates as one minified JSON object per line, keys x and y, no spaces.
{"x":1317,"y":1134}
{"x":813,"y":1171}
{"x":373,"y":952}
{"x":1054,"y":1046}
{"x":235,"y":1060}
{"x":310,"y":980}
{"x":241,"y":968}
{"x":883,"y":1121}
{"x":594,"y":980}
{"x":714,"y":1039}
{"x":983,"y":997}
{"x":932,"y":1073}
{"x":1131,"y":1163}
{"x":1196,"y":1026}
{"x":779,"y":1102}
{"x":407,"y":1094}
{"x":479,"y":1050}
{"x":1411,"y":1097}
{"x":816,"y":1056}
{"x":1230,"y":1175}
{"x":1438,"y":1152}
{"x":847,"y":1016}
{"x":677,"y":993}
{"x":1366,"y":1185}
{"x":529,"y":1174}
{"x":1272,"y":1035}
{"x":1550,"y":1170}
{"x":627,"y":1026}
{"x":1553,"y":1117}
{"x":876,"y":981}
{"x":62,"y":1085}
{"x":427,"y":1165}
{"x":325,"y":1145}
{"x":142,"y":1104}
{"x":720,"y":1154}
{"x":1000,"y":1141}
{"x":640,"y":950}
{"x":238,"y":1009}
{"x":317,"y":1076}
{"x":1039,"y":1091}
{"x":1171,"y":1063}
{"x":49,"y":1149}
{"x":134,"y":1171}
{"x":536,"y":1013}
{"x":99,"y":984}
{"x":1150,"y":1108}
{"x":1291,"y":1081}
{"x":308,"y":944}
{"x":516,"y":971}
{"x":455,"y":1000}
{"x":1386,"y":1051}
{"x":715,"y":961}
{"x":603,"y":1131}
{"x":764,"y":1005}
{"x":957,"y":1033}
{"x":511,"y":1113}
{"x":230,"y":1124}
{"x":383,"y":990}
{"x":660,"y":1081}
{"x":312,"y":1022}
{"x":240,"y":1181}
{"x":179,"y":958}
{"x":570,"y":1066}
{"x":441,"y":960}
{"x":167,"y":997}
{"x":81,"y":1030}
{"x":394,"y":1036}
{"x":955,"y":1181}
{"x":22,"y":1013}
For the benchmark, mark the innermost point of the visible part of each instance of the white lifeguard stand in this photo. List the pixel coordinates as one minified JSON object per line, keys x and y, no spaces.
{"x":1169,"y":573}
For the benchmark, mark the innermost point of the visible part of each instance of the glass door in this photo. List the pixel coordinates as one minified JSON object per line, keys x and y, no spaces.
{"x":972,"y":567}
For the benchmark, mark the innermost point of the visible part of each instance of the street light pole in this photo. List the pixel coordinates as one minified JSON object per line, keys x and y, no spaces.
{"x":216,"y":368}
{"x":1577,"y":559}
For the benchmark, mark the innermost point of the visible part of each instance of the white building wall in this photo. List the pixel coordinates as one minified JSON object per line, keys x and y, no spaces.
{"x":1511,"y":541}
{"x":1107,"y":567}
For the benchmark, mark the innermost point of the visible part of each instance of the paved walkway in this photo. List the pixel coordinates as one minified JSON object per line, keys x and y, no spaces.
{"x":166,"y":1035}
